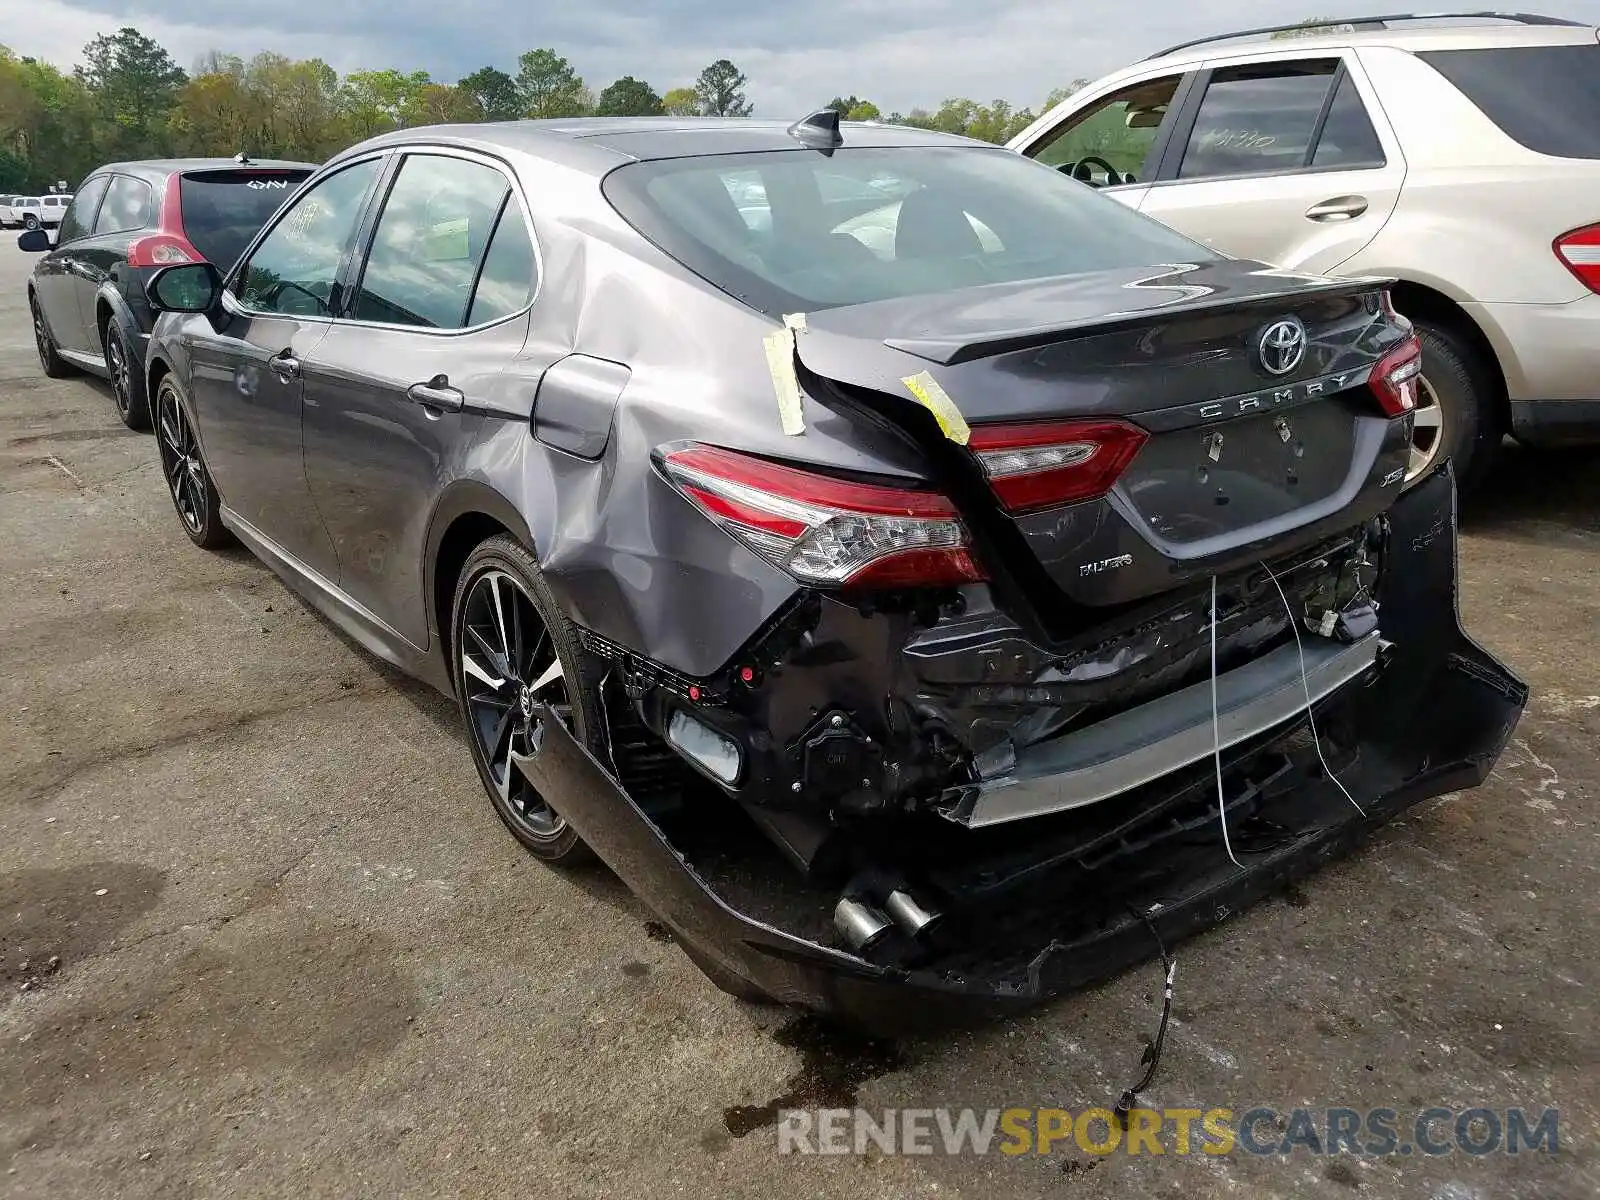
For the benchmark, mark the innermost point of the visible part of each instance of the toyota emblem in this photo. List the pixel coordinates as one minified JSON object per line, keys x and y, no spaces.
{"x":1282,"y":346}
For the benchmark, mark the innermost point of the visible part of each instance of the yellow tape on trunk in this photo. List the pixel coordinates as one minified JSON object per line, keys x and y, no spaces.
{"x":937,"y":401}
{"x":780,"y":346}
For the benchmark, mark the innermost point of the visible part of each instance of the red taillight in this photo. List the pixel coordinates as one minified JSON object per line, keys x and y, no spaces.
{"x":1395,"y":378}
{"x":170,"y":246}
{"x":1051,"y":463}
{"x":161,"y":250}
{"x":824,"y":531}
{"x":1579,"y":251}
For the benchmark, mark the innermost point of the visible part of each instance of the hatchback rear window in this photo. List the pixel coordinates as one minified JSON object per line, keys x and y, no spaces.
{"x":223,"y":210}
{"x":1545,"y":97}
{"x":793,"y":230}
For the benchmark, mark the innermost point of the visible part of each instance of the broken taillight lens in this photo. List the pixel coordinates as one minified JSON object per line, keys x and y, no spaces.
{"x":1579,"y":251}
{"x":825,"y":531}
{"x":1050,"y":463}
{"x":1396,"y":377}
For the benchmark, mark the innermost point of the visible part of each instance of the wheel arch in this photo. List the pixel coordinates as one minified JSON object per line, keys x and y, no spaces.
{"x":1420,"y":301}
{"x":467,"y":514}
{"x":156,"y":368}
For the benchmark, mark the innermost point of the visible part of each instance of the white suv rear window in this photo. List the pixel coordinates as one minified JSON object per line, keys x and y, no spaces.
{"x":1545,"y":97}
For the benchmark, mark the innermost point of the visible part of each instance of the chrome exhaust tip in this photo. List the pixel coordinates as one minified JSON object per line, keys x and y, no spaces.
{"x":912,"y":918}
{"x":862,"y":925}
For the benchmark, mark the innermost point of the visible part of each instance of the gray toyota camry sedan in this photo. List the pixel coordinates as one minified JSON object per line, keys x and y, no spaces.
{"x":928,"y":584}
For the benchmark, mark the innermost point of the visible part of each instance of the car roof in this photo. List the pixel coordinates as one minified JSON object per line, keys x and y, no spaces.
{"x":1411,"y":37}
{"x":597,"y":144}
{"x":154,"y":168}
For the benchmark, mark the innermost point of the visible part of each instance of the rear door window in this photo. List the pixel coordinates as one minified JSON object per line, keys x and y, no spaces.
{"x":129,"y":204}
{"x":509,"y":275}
{"x":1545,"y":97}
{"x":223,"y":210}
{"x":1347,"y":138}
{"x":435,"y":227}
{"x":1258,"y":119}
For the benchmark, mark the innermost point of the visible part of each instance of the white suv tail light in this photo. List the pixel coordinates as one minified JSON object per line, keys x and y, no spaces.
{"x":1580,"y":252}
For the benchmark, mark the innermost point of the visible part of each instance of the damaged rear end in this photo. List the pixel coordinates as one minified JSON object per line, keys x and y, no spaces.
{"x":1152,"y":625}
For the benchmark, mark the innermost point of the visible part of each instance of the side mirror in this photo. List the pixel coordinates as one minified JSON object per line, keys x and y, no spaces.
{"x":33,"y":241}
{"x":185,"y":288}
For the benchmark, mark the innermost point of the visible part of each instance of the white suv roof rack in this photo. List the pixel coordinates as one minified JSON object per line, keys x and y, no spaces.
{"x":1369,"y":23}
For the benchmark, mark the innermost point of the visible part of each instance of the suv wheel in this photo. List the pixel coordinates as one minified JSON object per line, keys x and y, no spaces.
{"x":30,"y":222}
{"x":54,"y":366}
{"x":1456,"y":411}
{"x":127,"y":383}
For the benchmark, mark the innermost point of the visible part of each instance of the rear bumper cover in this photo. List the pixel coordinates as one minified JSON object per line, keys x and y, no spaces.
{"x":1434,"y":722}
{"x":1556,"y":422}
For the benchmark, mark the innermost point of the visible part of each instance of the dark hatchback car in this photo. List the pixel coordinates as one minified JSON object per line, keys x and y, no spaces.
{"x":126,"y":221}
{"x":916,"y":575}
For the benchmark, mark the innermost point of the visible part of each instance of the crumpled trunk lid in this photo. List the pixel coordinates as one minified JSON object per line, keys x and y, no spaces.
{"x":1242,"y":459}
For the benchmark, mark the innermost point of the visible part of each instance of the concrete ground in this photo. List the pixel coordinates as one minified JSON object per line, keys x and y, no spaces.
{"x":260,"y":933}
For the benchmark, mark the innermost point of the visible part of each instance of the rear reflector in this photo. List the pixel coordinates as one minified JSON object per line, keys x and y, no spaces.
{"x":1395,"y":378}
{"x":171,"y":246}
{"x":825,"y":531}
{"x":1580,"y":252}
{"x":1052,"y":463}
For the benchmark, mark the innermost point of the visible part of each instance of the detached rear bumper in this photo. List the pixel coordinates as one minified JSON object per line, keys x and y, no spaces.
{"x":1435,"y":720}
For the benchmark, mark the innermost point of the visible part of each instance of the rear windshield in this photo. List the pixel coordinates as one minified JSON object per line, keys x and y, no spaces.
{"x":1546,"y":97}
{"x":795,"y":230}
{"x":223,"y":210}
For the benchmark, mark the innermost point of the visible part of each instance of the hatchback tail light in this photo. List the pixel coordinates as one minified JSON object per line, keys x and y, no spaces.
{"x":1579,"y":251}
{"x":825,"y":531}
{"x":169,"y":245}
{"x":1394,"y":380}
{"x":1051,"y":463}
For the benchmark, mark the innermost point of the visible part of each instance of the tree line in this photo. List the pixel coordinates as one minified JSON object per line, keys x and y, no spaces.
{"x":128,"y":99}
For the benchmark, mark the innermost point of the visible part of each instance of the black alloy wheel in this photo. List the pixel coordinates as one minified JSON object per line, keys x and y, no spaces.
{"x":127,"y":389}
{"x":53,"y":365}
{"x":517,"y":658}
{"x":193,"y":494}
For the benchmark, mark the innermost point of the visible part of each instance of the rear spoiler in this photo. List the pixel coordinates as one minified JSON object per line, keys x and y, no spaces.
{"x":949,"y":351}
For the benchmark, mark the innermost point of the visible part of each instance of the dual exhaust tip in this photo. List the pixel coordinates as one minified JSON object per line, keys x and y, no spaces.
{"x":864,"y":925}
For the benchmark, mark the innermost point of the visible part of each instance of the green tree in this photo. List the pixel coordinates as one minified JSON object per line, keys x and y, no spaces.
{"x":547,"y":86}
{"x":628,"y":97}
{"x":495,"y":93}
{"x":377,"y":101}
{"x":133,"y":82}
{"x":217,"y":109}
{"x":301,"y":104}
{"x":442,"y":104}
{"x":681,"y":102}
{"x":1057,"y":95}
{"x":720,"y":91}
{"x":843,"y":104}
{"x":863,"y":110}
{"x":48,"y":125}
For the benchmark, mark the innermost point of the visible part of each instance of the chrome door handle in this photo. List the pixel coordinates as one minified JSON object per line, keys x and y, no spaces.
{"x":285,"y":366}
{"x":1340,"y":208}
{"x":436,"y":394}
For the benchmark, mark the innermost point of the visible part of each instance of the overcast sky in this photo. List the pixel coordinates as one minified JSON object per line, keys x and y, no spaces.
{"x":898,"y":53}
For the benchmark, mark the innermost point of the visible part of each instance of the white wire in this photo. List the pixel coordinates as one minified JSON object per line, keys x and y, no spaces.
{"x":1316,"y":739}
{"x":1216,"y":733}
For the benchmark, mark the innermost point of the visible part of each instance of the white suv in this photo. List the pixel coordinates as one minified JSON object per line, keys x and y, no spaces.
{"x":1462,"y":160}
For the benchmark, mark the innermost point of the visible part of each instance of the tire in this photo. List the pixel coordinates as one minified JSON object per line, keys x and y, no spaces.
{"x":501,"y":604}
{"x":30,"y":222}
{"x":127,"y":383}
{"x":183,"y":466}
{"x":53,"y":365}
{"x":1459,"y":384}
